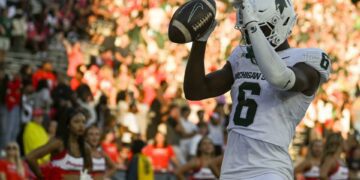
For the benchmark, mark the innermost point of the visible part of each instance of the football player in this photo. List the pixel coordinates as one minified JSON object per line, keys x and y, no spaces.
{"x":271,"y":83}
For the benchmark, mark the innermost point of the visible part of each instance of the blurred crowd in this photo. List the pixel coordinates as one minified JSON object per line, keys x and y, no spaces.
{"x":126,"y":77}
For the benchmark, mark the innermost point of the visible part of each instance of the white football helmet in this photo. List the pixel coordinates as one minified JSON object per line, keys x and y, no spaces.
{"x":276,"y":17}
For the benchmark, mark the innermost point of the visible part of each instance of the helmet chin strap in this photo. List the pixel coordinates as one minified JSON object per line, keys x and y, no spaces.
{"x":243,"y":36}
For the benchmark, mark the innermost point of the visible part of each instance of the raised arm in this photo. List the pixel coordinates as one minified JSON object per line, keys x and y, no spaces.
{"x":303,"y":166}
{"x":325,"y":168}
{"x":215,"y":166}
{"x":198,"y":85}
{"x":110,"y":167}
{"x":300,"y":78}
{"x":40,"y":152}
{"x":192,"y":164}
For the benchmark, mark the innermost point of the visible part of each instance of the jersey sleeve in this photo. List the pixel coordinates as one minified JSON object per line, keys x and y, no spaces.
{"x":320,"y":61}
{"x":235,"y":57}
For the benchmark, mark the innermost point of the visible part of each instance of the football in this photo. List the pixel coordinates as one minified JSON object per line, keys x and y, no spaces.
{"x":191,"y":20}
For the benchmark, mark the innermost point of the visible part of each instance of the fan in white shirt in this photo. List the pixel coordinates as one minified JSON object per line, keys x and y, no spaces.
{"x":189,"y":128}
{"x":130,"y":122}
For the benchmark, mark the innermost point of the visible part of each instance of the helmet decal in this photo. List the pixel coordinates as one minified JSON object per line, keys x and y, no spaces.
{"x":276,"y":18}
{"x":281,"y":5}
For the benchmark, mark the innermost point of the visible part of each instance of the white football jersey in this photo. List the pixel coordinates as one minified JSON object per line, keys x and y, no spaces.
{"x":262,"y":112}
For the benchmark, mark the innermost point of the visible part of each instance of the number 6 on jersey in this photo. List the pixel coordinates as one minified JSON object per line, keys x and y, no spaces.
{"x":251,"y":104}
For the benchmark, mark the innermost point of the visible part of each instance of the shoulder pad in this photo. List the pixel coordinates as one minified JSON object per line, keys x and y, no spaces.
{"x":235,"y":56}
{"x":320,"y":61}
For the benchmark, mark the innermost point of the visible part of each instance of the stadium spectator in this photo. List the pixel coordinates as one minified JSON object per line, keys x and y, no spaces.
{"x":37,"y":34}
{"x":26,"y":72}
{"x":75,"y":56}
{"x":78,"y":78}
{"x":27,"y":101}
{"x":69,"y":153}
{"x":161,"y":154}
{"x":103,"y":112}
{"x":3,"y":121}
{"x":189,"y":128}
{"x":219,"y":109}
{"x":216,"y":133}
{"x":13,"y":116}
{"x":143,"y":114}
{"x":332,"y":166}
{"x":85,"y":100}
{"x":202,"y":133}
{"x":63,"y":98}
{"x":199,"y":167}
{"x":200,"y":114}
{"x":42,"y":99}
{"x":12,"y":166}
{"x":5,"y":33}
{"x":18,"y":32}
{"x":310,"y":167}
{"x":139,"y":166}
{"x":130,"y":124}
{"x":175,"y":131}
{"x":179,"y":100}
{"x":122,"y":104}
{"x":109,"y":146}
{"x":45,"y":72}
{"x":35,"y":135}
{"x":158,"y":107}
{"x":51,"y":129}
{"x":103,"y":166}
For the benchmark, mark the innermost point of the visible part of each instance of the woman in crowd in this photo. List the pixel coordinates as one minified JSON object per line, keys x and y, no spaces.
{"x":332,"y":166}
{"x":109,"y":146}
{"x":69,"y":153}
{"x":42,"y":100}
{"x":12,"y":167}
{"x":161,"y":154}
{"x":310,"y":167}
{"x":103,"y":166}
{"x":200,"y":167}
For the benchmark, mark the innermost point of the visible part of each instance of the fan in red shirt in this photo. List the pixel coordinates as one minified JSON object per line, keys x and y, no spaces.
{"x":110,"y":148}
{"x":45,"y":72}
{"x":13,"y":92}
{"x":12,"y":167}
{"x":75,"y":57}
{"x":160,"y":153}
{"x":12,"y":100}
{"x":77,"y":79}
